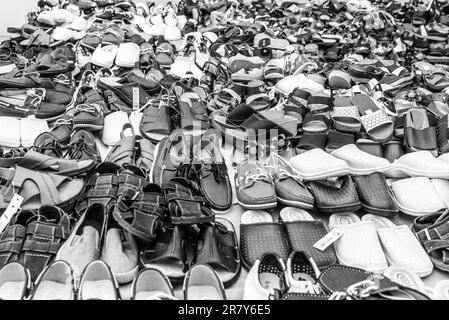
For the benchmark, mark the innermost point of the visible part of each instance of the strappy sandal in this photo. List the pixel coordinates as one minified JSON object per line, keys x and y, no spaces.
{"x":38,"y":188}
{"x":218,"y":247}
{"x":345,"y":115}
{"x":156,"y":123}
{"x":186,"y":204}
{"x":124,"y":151}
{"x":141,"y":212}
{"x":431,"y":230}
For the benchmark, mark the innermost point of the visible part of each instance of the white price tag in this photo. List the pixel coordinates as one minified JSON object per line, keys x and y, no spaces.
{"x":136,"y":98}
{"x":10,"y":211}
{"x":327,"y":240}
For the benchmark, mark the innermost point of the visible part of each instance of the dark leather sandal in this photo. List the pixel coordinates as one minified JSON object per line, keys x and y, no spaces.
{"x":101,"y":187}
{"x":145,"y":158}
{"x":141,"y":212}
{"x":185,"y":202}
{"x":124,"y":151}
{"x":44,"y":237}
{"x":167,"y":253}
{"x":218,"y":247}
{"x":432,"y":231}
{"x":12,"y":238}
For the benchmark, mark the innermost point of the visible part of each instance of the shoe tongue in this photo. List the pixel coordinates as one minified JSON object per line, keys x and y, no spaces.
{"x":49,"y":214}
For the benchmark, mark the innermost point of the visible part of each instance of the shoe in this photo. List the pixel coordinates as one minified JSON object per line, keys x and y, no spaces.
{"x":44,"y":237}
{"x":82,"y":146}
{"x":83,"y":245}
{"x":56,"y":282}
{"x":15,"y":281}
{"x":98,"y":283}
{"x":254,"y":186}
{"x":152,"y":284}
{"x":120,"y":252}
{"x":169,"y":154}
{"x":290,"y":189}
{"x":202,"y":283}
{"x":61,"y":129}
{"x":302,"y":274}
{"x":266,"y":278}
{"x":89,"y":117}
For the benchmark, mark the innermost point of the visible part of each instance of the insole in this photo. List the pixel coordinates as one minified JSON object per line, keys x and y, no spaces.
{"x":419,"y":121}
{"x":11,"y":290}
{"x":269,"y":280}
{"x":51,"y":290}
{"x":170,"y":269}
{"x":98,"y":289}
{"x":203,"y":292}
{"x":303,"y":276}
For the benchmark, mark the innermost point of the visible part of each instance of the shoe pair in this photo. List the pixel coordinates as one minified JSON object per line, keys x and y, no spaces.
{"x":262,"y":186}
{"x":201,"y":282}
{"x":33,"y":237}
{"x":270,"y":278}
{"x":56,"y":282}
{"x":205,"y":167}
{"x":81,"y":144}
{"x":97,"y":236}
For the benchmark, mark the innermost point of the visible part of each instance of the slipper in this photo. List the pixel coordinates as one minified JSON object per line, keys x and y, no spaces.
{"x":375,"y":194}
{"x":376,"y":122}
{"x":361,"y":162}
{"x":337,"y":139}
{"x":339,"y":79}
{"x":114,"y":124}
{"x":317,"y":119}
{"x":417,"y":196}
{"x":400,"y":246}
{"x":104,"y":56}
{"x":345,"y":115}
{"x":128,"y":54}
{"x":441,"y":290}
{"x":419,"y":164}
{"x":311,"y":141}
{"x":316,"y":164}
{"x":407,"y":278}
{"x":369,"y":146}
{"x":251,"y":234}
{"x":303,"y":231}
{"x":419,"y":134}
{"x":393,"y":150}
{"x":368,"y":253}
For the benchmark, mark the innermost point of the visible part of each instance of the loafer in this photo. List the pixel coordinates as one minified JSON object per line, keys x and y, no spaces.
{"x":254,"y":186}
{"x":202,"y":282}
{"x":83,"y":245}
{"x":170,"y":153}
{"x":61,"y":129}
{"x":56,"y":282}
{"x":290,"y":189}
{"x":88,"y":116}
{"x":15,"y":281}
{"x":120,"y":252}
{"x":152,"y":284}
{"x":98,"y":283}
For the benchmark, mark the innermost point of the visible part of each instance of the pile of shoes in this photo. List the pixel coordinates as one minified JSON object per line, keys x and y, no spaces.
{"x":133,"y":134}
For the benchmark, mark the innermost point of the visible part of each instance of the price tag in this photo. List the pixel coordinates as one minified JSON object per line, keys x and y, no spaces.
{"x":327,"y":240}
{"x":10,"y":211}
{"x":136,"y":98}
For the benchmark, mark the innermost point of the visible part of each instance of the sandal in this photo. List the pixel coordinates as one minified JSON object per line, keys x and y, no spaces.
{"x":142,"y":212}
{"x":185,"y":202}
{"x":377,"y":123}
{"x":345,"y":115}
{"x":431,"y":230}
{"x":218,"y":247}
{"x":38,"y":188}
{"x":167,"y":253}
{"x":123,"y":152}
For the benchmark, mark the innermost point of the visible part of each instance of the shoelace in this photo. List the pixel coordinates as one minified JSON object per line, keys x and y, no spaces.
{"x":92,"y":109}
{"x":77,"y":148}
{"x":248,"y":178}
{"x":62,"y":79}
{"x":35,"y":96}
{"x":62,"y":122}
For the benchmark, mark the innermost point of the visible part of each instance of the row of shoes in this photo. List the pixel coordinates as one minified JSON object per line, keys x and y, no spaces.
{"x":56,"y":282}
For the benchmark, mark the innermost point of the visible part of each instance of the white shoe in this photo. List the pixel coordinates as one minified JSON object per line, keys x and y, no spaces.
{"x":264,"y":280}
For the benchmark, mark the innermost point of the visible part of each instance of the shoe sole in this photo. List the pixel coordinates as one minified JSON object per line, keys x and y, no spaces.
{"x":298,"y":204}
{"x":258,"y":206}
